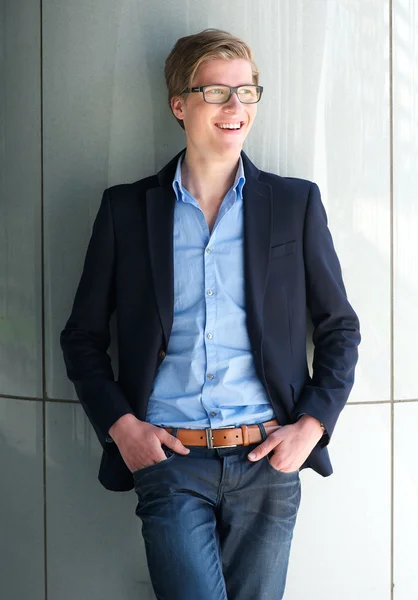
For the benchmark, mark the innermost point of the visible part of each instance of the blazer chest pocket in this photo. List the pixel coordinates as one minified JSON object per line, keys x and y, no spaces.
{"x":282,"y":249}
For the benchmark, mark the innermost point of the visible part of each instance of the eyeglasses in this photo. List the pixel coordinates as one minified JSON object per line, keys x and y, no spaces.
{"x":219,"y":93}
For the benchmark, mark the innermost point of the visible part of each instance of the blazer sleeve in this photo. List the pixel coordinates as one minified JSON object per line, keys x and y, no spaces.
{"x":336,"y":333}
{"x":86,"y":336}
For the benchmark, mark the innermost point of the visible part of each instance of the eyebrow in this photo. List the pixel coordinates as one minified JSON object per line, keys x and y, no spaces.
{"x":228,"y":84}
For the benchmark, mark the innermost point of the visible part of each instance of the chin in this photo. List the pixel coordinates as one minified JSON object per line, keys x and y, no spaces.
{"x":234,"y":151}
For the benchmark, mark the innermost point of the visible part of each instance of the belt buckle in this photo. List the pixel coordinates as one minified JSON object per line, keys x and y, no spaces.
{"x":209,"y":438}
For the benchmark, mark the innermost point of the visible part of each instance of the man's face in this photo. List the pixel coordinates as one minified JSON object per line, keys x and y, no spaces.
{"x":201,"y":118}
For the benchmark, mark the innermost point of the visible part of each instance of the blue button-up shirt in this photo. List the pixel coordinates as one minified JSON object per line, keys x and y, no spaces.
{"x":208,"y":378}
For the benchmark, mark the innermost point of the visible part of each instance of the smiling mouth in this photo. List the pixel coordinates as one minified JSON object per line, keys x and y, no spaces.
{"x":230,"y":126}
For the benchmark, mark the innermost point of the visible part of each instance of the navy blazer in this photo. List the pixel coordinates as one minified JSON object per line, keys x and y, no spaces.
{"x":290,"y":265}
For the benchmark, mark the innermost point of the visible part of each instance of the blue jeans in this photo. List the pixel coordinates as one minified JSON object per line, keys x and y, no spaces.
{"x":217,"y":526}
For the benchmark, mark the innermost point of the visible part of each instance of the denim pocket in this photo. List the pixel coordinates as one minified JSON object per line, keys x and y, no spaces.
{"x":170,"y":454}
{"x":284,"y":473}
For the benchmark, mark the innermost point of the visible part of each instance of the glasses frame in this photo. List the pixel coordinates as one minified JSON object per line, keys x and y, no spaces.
{"x":231,"y":91}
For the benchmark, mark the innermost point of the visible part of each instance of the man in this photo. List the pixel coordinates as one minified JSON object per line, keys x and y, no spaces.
{"x":210,"y":265}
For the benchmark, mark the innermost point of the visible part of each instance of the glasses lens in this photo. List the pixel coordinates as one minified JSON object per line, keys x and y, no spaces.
{"x":249,"y":93}
{"x":216,"y":94}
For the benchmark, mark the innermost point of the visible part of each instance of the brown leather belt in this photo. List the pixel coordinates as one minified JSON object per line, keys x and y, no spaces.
{"x":224,"y":437}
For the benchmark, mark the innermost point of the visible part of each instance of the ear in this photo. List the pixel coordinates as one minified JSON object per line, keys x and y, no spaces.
{"x":177,"y":104}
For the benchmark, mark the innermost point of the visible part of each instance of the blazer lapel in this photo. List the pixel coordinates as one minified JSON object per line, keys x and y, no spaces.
{"x":257,"y":198}
{"x":160,"y":203}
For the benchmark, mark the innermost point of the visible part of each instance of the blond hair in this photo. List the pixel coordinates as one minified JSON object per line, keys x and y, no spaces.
{"x":190,"y":51}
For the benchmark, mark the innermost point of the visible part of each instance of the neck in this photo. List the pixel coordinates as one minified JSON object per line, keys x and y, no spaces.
{"x":208,"y":178}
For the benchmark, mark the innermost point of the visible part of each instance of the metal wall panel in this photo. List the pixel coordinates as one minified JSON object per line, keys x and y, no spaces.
{"x":20,"y":200}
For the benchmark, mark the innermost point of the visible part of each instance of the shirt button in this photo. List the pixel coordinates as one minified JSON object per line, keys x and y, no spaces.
{"x":208,"y":250}
{"x":161,"y":353}
{"x":209,"y":336}
{"x":213,"y":414}
{"x":210,"y":376}
{"x":209,"y":292}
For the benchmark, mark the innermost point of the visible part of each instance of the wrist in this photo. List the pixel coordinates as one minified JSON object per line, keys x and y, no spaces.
{"x":309,"y":423}
{"x":120,"y":426}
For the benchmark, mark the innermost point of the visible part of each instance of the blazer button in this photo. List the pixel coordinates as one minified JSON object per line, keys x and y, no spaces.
{"x":161,"y":354}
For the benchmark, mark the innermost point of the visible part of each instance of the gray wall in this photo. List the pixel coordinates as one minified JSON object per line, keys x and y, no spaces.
{"x":83,"y":106}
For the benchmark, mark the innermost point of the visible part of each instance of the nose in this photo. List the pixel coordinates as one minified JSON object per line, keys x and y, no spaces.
{"x":233,"y":102}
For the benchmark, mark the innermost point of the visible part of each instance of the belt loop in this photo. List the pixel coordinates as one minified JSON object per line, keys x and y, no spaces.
{"x":245,"y":437}
{"x":174,"y":431}
{"x":263,"y":431}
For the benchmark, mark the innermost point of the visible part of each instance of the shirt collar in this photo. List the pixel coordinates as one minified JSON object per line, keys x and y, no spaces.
{"x":237,"y":185}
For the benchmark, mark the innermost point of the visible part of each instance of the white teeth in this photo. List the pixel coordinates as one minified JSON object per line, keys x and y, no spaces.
{"x":229,"y":125}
